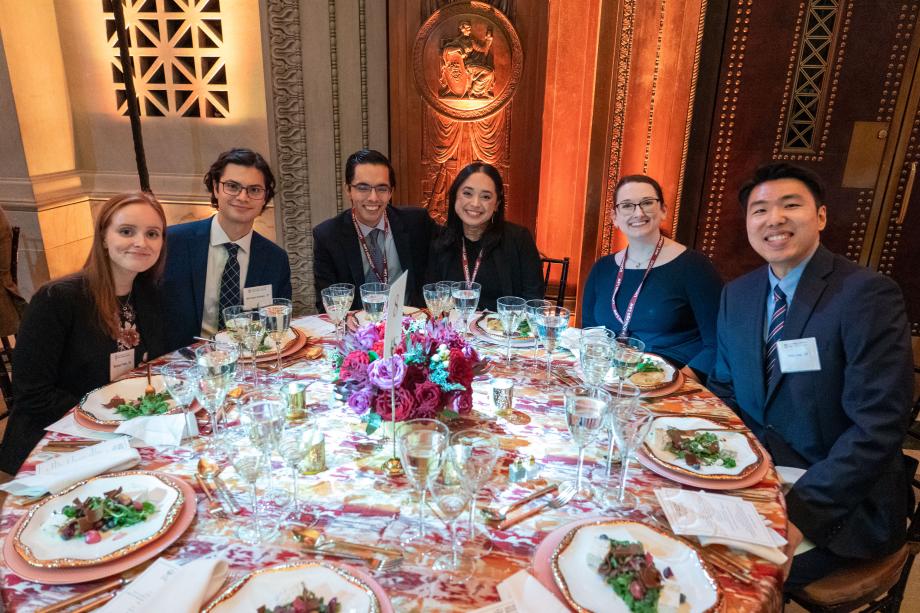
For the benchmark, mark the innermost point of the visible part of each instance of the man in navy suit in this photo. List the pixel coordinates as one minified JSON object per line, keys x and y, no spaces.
{"x":372,"y":241}
{"x":814,"y":354}
{"x":214,"y":263}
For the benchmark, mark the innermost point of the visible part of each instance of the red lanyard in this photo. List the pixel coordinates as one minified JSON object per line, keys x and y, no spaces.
{"x":624,"y":321}
{"x":384,"y":278}
{"x":466,"y":264}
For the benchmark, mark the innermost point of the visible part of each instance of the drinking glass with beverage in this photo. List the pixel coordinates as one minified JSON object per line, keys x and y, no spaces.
{"x":374,"y":297}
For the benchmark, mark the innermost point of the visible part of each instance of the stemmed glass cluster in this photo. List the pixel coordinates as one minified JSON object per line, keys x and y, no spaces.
{"x":465,"y":298}
{"x":551,"y":323}
{"x":438,"y":298}
{"x":216,"y":365}
{"x":337,"y":300}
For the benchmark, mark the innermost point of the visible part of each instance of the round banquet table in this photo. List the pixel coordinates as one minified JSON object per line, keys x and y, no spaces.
{"x":354,"y":500}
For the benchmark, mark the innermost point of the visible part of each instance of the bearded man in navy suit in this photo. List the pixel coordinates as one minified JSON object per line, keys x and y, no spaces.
{"x":814,"y":354}
{"x":210,"y":263}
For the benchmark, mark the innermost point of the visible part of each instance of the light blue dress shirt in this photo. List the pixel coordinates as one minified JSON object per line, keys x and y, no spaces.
{"x":788,"y":284}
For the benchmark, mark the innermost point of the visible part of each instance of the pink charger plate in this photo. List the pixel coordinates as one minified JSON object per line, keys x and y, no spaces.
{"x":707,"y":484}
{"x":64,"y":576}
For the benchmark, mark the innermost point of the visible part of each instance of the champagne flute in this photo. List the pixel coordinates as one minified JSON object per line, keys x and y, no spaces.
{"x":627,"y":355}
{"x":631,"y":425}
{"x":181,"y":379}
{"x":466,"y":299}
{"x":595,"y":356}
{"x":236,"y":329}
{"x":248,"y":460}
{"x":420,"y":444}
{"x":510,"y":311}
{"x":625,"y":395}
{"x":337,"y":299}
{"x":585,"y":413}
{"x":531,"y":307}
{"x":551,"y":323}
{"x":292,"y":447}
{"x":474,"y":454}
{"x":447,"y":304}
{"x":374,"y":298}
{"x":216,"y":364}
{"x":450,"y":495}
{"x":276,"y":319}
{"x":262,"y":413}
{"x":436,"y":296}
{"x":253,"y":335}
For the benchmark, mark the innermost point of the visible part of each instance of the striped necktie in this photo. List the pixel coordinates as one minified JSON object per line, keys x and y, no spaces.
{"x":229,"y":283}
{"x":375,"y":246}
{"x":775,"y":335}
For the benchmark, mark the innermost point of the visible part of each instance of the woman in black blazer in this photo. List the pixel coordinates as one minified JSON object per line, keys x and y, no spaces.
{"x":75,"y":326}
{"x":477,"y":244}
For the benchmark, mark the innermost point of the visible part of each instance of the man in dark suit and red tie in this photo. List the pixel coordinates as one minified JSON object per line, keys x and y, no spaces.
{"x":814,"y":354}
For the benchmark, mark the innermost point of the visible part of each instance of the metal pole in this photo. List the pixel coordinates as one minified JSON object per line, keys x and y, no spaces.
{"x":134,"y":113}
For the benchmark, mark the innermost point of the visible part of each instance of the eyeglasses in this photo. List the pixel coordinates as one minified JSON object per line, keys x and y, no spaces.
{"x":628,"y":208}
{"x":364,"y":190}
{"x":232,"y":188}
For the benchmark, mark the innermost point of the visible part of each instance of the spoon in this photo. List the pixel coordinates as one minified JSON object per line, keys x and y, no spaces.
{"x":209,"y":470}
{"x":149,"y":390}
{"x":311,"y":537}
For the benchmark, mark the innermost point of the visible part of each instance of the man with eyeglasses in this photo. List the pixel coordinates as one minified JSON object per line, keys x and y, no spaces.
{"x":221,"y":261}
{"x":372,"y":241}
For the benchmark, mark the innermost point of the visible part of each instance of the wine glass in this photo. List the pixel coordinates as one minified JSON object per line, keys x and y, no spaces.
{"x":181,"y":379}
{"x":276,"y":319}
{"x":510,"y":311}
{"x":551,"y":323}
{"x":626,"y":356}
{"x":631,"y":425}
{"x":216,"y":364}
{"x":447,"y":305}
{"x":466,"y":299}
{"x":374,"y":298}
{"x":585,"y":413}
{"x":595,"y":354}
{"x":436,"y":296}
{"x":473,"y":454}
{"x":236,"y":329}
{"x":248,"y":461}
{"x":262,"y":412}
{"x":450,"y":495}
{"x":292,"y":447}
{"x":253,"y":337}
{"x":625,"y":395}
{"x":530,"y":312}
{"x":420,"y":444}
{"x":337,"y":301}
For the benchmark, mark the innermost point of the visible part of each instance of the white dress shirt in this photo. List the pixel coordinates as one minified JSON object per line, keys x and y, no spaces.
{"x":217,"y":259}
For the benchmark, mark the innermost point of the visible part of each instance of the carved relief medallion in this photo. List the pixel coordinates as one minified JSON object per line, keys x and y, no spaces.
{"x":467,"y":60}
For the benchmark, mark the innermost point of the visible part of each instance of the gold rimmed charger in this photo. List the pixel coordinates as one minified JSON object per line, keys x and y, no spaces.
{"x":488,"y":327}
{"x":294,"y":340}
{"x":39,"y":544}
{"x":751,"y":457}
{"x":669,"y":370}
{"x":575,"y":560}
{"x":279,"y":585}
{"x":92,"y":407}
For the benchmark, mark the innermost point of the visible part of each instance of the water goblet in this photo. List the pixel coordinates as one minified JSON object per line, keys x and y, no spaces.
{"x":181,"y":379}
{"x":420,"y":444}
{"x":510,"y":312}
{"x":631,"y":425}
{"x":262,"y":412}
{"x":374,"y":298}
{"x":551,"y":323}
{"x":276,"y":319}
{"x":216,"y":365}
{"x":585,"y":411}
{"x":595,"y":355}
{"x":450,"y":496}
{"x":292,"y":447}
{"x":236,"y":330}
{"x":625,"y":395}
{"x":248,"y":460}
{"x":465,"y":297}
{"x":253,"y":337}
{"x":627,"y":353}
{"x":337,"y":300}
{"x":531,"y":307}
{"x":474,"y":454}
{"x":436,"y":296}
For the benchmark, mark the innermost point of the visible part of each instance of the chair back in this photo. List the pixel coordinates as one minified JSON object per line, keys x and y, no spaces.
{"x":6,"y":372}
{"x":14,"y":260}
{"x":548,"y":265}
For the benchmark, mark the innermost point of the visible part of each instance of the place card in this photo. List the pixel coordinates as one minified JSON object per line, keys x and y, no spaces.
{"x":94,"y":451}
{"x":138,"y":593}
{"x":258,"y":296}
{"x":713,"y":515}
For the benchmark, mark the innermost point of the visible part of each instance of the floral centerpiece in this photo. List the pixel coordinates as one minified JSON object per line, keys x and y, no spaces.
{"x":431,"y":371}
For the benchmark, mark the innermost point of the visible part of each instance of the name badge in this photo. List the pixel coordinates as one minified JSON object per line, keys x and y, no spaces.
{"x":120,"y":363}
{"x":799,"y":355}
{"x":258,"y":296}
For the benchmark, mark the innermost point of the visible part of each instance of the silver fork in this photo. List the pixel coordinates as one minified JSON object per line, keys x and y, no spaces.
{"x":383,"y":566}
{"x":563,"y":496}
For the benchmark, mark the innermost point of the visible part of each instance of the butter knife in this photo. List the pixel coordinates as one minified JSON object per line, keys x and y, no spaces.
{"x":224,"y":492}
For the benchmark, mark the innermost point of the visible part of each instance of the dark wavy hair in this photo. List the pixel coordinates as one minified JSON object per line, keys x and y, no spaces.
{"x":240,"y":157}
{"x":368,"y":156}
{"x":781,"y":170}
{"x":454,"y":232}
{"x":640,"y":179}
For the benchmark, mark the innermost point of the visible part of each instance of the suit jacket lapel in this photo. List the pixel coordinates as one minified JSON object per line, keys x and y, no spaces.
{"x":255,"y":272}
{"x":752,"y":350}
{"x":807,"y":294}
{"x":352,"y":249}
{"x":403,"y":241}
{"x":198,"y":260}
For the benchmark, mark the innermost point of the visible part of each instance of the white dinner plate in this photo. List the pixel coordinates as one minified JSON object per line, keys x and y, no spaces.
{"x":268,"y":344}
{"x":747,"y":456}
{"x":92,"y":405}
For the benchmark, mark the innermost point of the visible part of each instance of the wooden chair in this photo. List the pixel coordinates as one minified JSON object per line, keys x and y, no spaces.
{"x":7,"y":343}
{"x":14,"y":261}
{"x":548,"y":264}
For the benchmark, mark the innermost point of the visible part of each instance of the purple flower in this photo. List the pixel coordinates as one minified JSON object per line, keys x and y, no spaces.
{"x":360,"y":401}
{"x":387,"y":373}
{"x":366,"y":336}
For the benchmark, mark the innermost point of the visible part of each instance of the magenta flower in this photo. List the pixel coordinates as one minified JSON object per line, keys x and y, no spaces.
{"x":360,"y":401}
{"x":387,"y":373}
{"x":427,"y":398}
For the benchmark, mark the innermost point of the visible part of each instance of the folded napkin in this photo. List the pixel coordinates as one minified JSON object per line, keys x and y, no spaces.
{"x":571,"y":339}
{"x":68,"y":425}
{"x":169,"y":586}
{"x":160,"y":429}
{"x":314,"y":326}
{"x":65,"y":470}
{"x":770,"y":554}
{"x":528,"y":594}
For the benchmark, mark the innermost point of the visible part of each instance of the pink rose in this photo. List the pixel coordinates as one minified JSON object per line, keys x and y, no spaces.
{"x":354,"y":366}
{"x":462,"y":402}
{"x":405,"y":403}
{"x":460,"y":370}
{"x":428,"y":399}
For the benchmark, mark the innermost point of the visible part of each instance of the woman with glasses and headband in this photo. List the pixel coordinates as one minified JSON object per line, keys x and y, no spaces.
{"x":87,"y":329}
{"x":478,"y":245}
{"x":655,"y":289}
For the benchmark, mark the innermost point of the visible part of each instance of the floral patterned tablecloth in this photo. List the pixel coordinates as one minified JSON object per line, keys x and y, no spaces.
{"x":354,"y":500}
